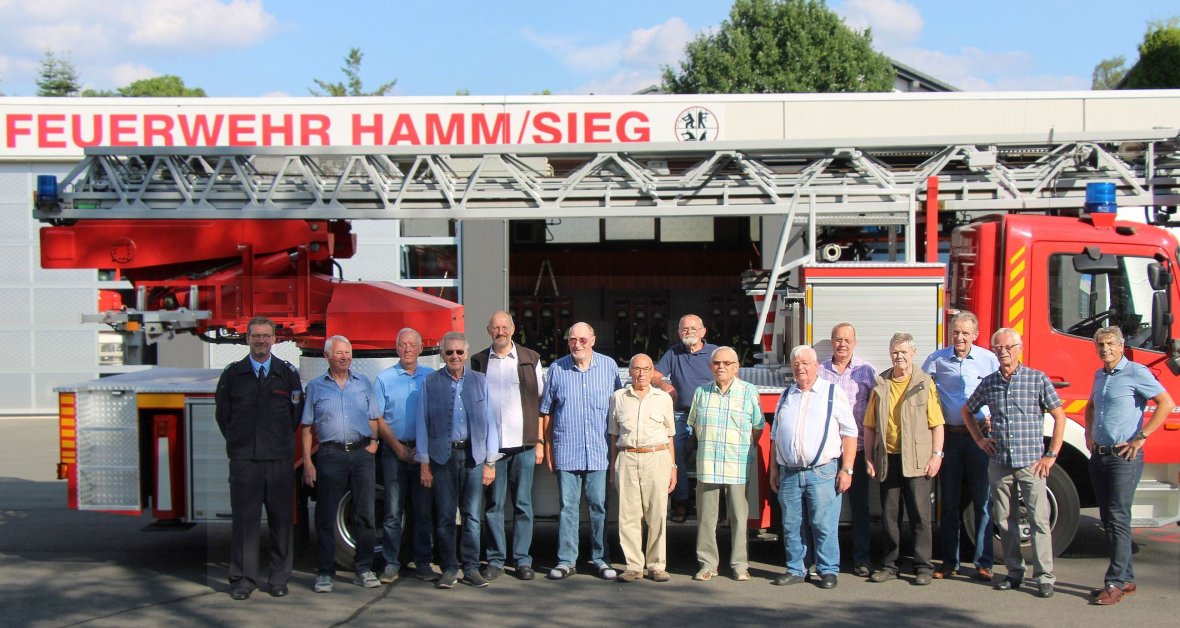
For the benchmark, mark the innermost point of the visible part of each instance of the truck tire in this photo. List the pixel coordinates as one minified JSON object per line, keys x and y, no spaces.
{"x":1065,"y":510}
{"x":343,"y":528}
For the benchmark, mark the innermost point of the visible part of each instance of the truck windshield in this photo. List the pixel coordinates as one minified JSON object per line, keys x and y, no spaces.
{"x":1083,"y":303}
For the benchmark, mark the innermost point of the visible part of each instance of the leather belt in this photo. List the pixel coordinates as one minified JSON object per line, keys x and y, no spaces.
{"x":353,"y":446}
{"x":958,"y":429}
{"x":1107,"y":450}
{"x":646,"y":450}
{"x":458,"y":444}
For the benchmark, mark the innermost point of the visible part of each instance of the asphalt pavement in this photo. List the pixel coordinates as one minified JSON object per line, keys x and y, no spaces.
{"x":60,"y":567}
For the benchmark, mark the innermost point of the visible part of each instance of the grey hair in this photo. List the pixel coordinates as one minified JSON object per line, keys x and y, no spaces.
{"x":800,"y":349}
{"x":1110,"y":332}
{"x":1007,"y":331}
{"x":964,"y":315}
{"x":454,"y":335}
{"x":713,"y":356}
{"x":903,"y":337}
{"x":410,"y":330}
{"x":336,"y":338}
{"x":844,"y":324}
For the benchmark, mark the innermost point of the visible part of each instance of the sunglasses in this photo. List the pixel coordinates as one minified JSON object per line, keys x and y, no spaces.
{"x":579,"y":341}
{"x":454,"y":352}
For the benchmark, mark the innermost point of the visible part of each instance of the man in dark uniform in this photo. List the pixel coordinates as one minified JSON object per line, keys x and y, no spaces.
{"x":259,"y":403}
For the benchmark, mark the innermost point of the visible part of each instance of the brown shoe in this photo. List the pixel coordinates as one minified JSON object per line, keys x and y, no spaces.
{"x":630,"y":576}
{"x":659,"y":575}
{"x":944,"y":572}
{"x":1110,"y":595}
{"x":1128,"y":589}
{"x":984,"y":574}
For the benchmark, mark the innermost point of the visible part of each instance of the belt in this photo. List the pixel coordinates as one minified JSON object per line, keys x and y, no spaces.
{"x":809,"y":467}
{"x":646,"y":450}
{"x":958,"y":429}
{"x":458,"y":444}
{"x":1107,"y":450}
{"x":360,"y":444}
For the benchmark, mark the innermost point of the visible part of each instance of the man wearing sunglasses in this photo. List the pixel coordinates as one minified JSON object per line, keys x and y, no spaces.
{"x":458,"y":445}
{"x":1018,"y":397}
{"x":578,"y":389}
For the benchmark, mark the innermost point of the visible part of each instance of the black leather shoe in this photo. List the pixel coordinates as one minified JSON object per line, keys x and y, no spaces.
{"x":490,"y":573}
{"x":525,"y":572}
{"x":786,"y":579}
{"x":1008,"y":584}
{"x":279,"y":591}
{"x":1045,"y":589}
{"x":827,"y":581}
{"x":240,"y":594}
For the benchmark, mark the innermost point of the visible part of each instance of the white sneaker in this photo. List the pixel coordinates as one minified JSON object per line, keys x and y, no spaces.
{"x":368,"y":580}
{"x":323,"y":583}
{"x":389,"y":575}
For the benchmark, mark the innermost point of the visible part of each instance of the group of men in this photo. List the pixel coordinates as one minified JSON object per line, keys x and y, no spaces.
{"x":467,"y":438}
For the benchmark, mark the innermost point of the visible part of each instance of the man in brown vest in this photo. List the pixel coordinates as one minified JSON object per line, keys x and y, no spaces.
{"x":514,"y":390}
{"x":903,"y":450}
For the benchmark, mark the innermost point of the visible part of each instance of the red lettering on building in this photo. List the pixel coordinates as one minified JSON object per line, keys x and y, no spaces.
{"x":50,"y":135}
{"x":123,"y":129}
{"x":314,"y":125}
{"x":597,"y":126}
{"x":96,"y":134}
{"x":404,"y":131}
{"x":628,"y":128}
{"x":196,"y":130}
{"x":11,"y":131}
{"x":360,"y":129}
{"x":436,"y":134}
{"x":481,"y":134}
{"x":159,"y":126}
{"x":241,"y":129}
{"x":285,"y":129}
{"x":547,"y":131}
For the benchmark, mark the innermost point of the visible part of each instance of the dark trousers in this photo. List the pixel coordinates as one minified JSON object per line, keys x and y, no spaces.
{"x":401,"y":485}
{"x":458,"y":483}
{"x":916,"y":493}
{"x":254,"y":484}
{"x":1115,"y":479}
{"x":858,"y":497}
{"x":965,"y":458}
{"x":336,"y":472}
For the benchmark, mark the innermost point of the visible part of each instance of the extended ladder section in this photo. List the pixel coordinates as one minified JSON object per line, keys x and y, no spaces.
{"x":814,"y":184}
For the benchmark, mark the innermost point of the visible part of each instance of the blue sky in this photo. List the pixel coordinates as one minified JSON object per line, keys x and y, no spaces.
{"x":495,"y":47}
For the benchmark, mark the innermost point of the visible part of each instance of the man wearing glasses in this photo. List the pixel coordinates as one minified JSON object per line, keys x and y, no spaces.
{"x":727,"y":419}
{"x":642,"y":459}
{"x":1018,"y":397}
{"x":259,"y":402}
{"x":681,"y":370}
{"x":458,"y":444}
{"x":574,"y":406}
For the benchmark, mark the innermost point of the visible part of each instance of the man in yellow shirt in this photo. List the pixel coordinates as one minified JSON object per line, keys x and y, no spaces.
{"x":904,"y":454}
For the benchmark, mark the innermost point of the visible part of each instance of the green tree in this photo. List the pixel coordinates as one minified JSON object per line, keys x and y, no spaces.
{"x":1108,"y":73}
{"x":167,"y":85}
{"x":352,"y":85}
{"x":773,"y":46}
{"x":57,"y":76}
{"x":1158,"y":66}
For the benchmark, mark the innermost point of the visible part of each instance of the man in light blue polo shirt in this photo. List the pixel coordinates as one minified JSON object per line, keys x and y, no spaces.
{"x":399,"y":394}
{"x":1115,"y":435}
{"x":957,"y":371}
{"x":574,"y":406}
{"x":342,"y":409}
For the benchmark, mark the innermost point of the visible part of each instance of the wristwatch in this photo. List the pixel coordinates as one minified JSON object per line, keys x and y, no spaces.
{"x":940,"y":454}
{"x":1049,"y":453}
{"x":1140,"y":435}
{"x":847,"y":470}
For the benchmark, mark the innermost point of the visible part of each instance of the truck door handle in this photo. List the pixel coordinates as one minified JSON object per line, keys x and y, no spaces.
{"x":1060,"y":383}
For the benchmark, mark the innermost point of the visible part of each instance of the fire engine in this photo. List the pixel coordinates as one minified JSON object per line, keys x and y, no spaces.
{"x":210,"y":236}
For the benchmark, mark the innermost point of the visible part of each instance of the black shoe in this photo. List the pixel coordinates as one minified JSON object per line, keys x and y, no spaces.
{"x":923,"y":578}
{"x":1008,"y":584}
{"x":883,"y":574}
{"x":861,"y":571}
{"x":240,"y":594}
{"x":490,"y":573}
{"x":786,"y":579}
{"x":1045,"y":589}
{"x":827,"y":581}
{"x":474,"y":579}
{"x":447,"y":580}
{"x":525,"y":572}
{"x":279,"y":591}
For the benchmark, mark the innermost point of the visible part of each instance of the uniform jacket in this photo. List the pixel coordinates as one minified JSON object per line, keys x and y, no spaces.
{"x":526,"y":371}
{"x":916,"y":441}
{"x":259,"y":421}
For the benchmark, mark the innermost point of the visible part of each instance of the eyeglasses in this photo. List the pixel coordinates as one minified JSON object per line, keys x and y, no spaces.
{"x":500,"y":328}
{"x":641,"y":369}
{"x":689,"y":329}
{"x":261,"y":336}
{"x":1004,"y":348}
{"x":579,"y":341}
{"x":454,"y":351}
{"x":842,"y":341}
{"x":726,"y":364}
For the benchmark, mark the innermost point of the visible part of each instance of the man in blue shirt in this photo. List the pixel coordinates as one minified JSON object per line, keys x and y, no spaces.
{"x":1115,"y":438}
{"x":683,"y":368}
{"x":398,"y":390}
{"x":574,"y":406}
{"x":1018,"y":397}
{"x":458,"y":445}
{"x":342,"y":409}
{"x":957,"y":371}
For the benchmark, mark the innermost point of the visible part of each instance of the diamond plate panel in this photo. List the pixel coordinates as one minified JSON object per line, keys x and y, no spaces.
{"x":16,"y":392}
{"x":108,"y":448}
{"x":16,"y":263}
{"x":16,"y":343}
{"x":62,"y":306}
{"x":108,"y":489}
{"x":16,"y":182}
{"x":19,"y":225}
{"x":65,"y":349}
{"x":15,"y":307}
{"x":99,"y":409}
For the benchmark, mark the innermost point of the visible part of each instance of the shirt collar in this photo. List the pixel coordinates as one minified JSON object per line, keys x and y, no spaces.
{"x":351,"y":375}
{"x":1117,"y":367}
{"x":254,"y":364}
{"x":496,"y":356}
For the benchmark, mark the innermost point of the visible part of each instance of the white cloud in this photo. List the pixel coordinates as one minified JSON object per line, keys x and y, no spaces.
{"x":619,"y":66}
{"x":177,"y":24}
{"x":894,"y":22}
{"x":128,"y":73}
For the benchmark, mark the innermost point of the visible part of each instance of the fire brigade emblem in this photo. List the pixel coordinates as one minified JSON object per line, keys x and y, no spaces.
{"x":122,"y":251}
{"x":697,"y":124}
{"x":296,"y":397}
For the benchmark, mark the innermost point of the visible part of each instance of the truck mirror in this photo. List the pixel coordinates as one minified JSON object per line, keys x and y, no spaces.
{"x":1093,"y":263}
{"x":1161,"y":320}
{"x":1158,"y":276}
{"x":1174,"y":359}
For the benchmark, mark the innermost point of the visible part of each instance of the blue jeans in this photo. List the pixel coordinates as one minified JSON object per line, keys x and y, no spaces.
{"x":516,"y":469}
{"x":680,"y":442}
{"x":459,"y":480}
{"x":1115,"y":479}
{"x":571,"y":485}
{"x":336,"y":472}
{"x":964,"y":457}
{"x":858,"y":498}
{"x":401,"y":481}
{"x":811,"y":491}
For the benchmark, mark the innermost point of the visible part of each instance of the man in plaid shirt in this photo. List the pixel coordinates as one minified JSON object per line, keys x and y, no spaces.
{"x":1018,"y":397}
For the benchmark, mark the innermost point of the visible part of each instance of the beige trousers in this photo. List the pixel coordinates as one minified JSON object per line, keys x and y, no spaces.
{"x":642,"y":481}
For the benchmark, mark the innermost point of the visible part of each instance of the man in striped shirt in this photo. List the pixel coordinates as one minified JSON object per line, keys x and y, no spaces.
{"x":578,"y":389}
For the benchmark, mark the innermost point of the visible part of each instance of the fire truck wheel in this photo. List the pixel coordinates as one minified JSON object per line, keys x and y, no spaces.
{"x":344,"y":527}
{"x":1063,"y":517}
